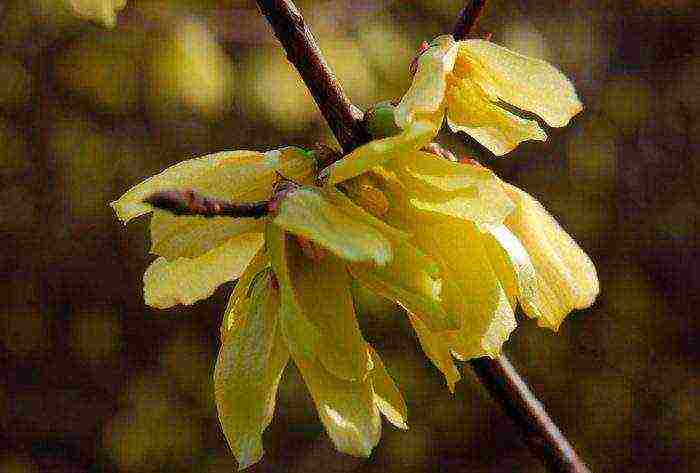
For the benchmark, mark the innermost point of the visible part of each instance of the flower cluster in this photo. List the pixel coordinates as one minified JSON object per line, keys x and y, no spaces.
{"x":450,"y":242}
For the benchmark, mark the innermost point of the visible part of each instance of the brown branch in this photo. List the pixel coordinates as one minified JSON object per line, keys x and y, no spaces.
{"x":302,"y":51}
{"x":188,"y":202}
{"x":500,"y":378}
{"x":541,"y":434}
{"x":468,"y":18}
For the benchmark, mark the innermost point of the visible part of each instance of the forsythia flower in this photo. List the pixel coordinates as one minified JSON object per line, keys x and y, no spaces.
{"x":495,"y":244}
{"x":293,"y":294}
{"x":465,"y":80}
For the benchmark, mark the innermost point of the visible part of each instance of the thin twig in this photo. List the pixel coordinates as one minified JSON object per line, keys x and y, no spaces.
{"x":541,"y":434}
{"x":342,"y":116}
{"x":500,"y":378}
{"x":468,"y":18}
{"x":189,"y":202}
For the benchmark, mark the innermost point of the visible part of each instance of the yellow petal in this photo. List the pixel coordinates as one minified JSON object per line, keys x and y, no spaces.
{"x":413,"y":280}
{"x":307,"y":213}
{"x":236,"y":175}
{"x":475,"y":293}
{"x":427,"y":91}
{"x":436,"y":347}
{"x":468,"y":192}
{"x":103,"y":11}
{"x":191,"y":236}
{"x":527,"y":83}
{"x":521,"y":272}
{"x":321,"y":292}
{"x":250,"y":363}
{"x":469,"y":110}
{"x":415,"y":135}
{"x":346,"y":408}
{"x":357,"y":213}
{"x":566,"y":277}
{"x":241,"y":293}
{"x":317,"y":307}
{"x":185,"y":281}
{"x":387,"y":396}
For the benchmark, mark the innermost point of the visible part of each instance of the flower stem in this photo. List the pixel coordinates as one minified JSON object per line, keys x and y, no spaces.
{"x":500,"y":378}
{"x":467,"y":18}
{"x":191,"y":203}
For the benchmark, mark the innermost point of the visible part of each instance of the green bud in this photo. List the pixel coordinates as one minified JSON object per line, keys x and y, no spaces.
{"x":379,"y":120}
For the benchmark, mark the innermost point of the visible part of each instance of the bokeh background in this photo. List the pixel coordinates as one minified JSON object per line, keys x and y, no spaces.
{"x":94,"y":381}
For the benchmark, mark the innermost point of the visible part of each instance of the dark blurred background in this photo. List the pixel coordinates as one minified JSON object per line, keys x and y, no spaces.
{"x":93,"y":381}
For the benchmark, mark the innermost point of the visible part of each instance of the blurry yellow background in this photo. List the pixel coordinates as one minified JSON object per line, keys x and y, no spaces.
{"x":92,"y":380}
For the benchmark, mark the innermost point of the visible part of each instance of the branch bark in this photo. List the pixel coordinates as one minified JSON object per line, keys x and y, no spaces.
{"x":189,"y":202}
{"x":468,"y":18}
{"x":500,"y":378}
{"x":303,"y":52}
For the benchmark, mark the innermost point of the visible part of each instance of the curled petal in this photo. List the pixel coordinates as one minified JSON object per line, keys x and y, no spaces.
{"x":436,"y":346}
{"x":185,"y":281}
{"x":475,"y":294}
{"x":415,"y":135}
{"x":414,"y":281}
{"x":241,"y":294}
{"x":248,"y":369}
{"x":427,"y":91}
{"x":498,"y":130}
{"x":566,"y":277}
{"x":306,"y":212}
{"x":235,"y":175}
{"x":387,"y":396}
{"x":527,"y":83}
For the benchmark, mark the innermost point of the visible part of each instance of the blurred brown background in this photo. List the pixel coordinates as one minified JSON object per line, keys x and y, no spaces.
{"x":94,"y":381}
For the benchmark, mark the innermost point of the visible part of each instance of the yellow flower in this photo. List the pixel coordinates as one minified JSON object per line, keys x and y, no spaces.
{"x":494,"y":245}
{"x":292,"y":298}
{"x":466,"y":80}
{"x":452,"y":244}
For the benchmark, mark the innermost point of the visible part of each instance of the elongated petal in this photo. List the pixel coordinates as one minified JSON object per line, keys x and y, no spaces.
{"x":416,"y":134}
{"x":346,"y":408}
{"x":474,"y":292}
{"x":322,"y":293}
{"x":520,"y":277}
{"x":498,"y":130}
{"x":307,"y":213}
{"x":427,"y":90}
{"x":241,"y":294}
{"x":436,"y":346}
{"x":387,"y":396}
{"x":252,"y":357}
{"x":237,"y":175}
{"x":185,"y":281}
{"x":190,"y":236}
{"x":414,"y":281}
{"x":566,"y":277}
{"x":527,"y":83}
{"x":317,"y":304}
